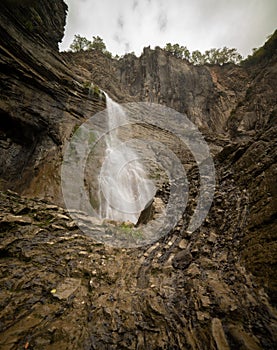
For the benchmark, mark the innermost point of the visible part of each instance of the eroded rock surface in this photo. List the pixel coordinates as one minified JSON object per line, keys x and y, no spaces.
{"x":60,"y":289}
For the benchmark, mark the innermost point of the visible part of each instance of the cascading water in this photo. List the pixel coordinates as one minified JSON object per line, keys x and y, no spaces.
{"x":124,"y":189}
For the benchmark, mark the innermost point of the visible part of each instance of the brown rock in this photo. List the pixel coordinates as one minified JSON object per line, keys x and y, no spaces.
{"x":182,"y":260}
{"x":66,"y":288}
{"x":219,"y":335}
{"x":147,"y":213}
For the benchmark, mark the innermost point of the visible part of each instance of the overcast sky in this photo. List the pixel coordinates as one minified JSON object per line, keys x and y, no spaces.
{"x":130,"y":25}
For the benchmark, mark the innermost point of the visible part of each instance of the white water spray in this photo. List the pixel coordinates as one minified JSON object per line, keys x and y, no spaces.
{"x":124,"y":187}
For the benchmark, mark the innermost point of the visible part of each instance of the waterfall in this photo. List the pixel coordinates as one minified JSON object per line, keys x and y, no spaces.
{"x":124,"y":189}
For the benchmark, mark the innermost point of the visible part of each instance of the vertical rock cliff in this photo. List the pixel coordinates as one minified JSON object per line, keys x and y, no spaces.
{"x":41,"y":100}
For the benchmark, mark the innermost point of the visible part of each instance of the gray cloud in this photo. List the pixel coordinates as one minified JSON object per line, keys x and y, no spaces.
{"x":120,"y":22}
{"x":135,"y":5}
{"x":162,"y":21}
{"x":118,"y":39}
{"x":198,"y":24}
{"x":127,"y":47}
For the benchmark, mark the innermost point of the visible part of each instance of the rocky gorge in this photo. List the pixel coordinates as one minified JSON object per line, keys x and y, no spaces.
{"x":214,"y":288}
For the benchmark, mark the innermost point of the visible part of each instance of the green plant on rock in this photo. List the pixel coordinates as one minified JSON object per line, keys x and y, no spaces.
{"x":35,"y":16}
{"x":130,"y":230}
{"x":264,"y":52}
{"x":96,"y":91}
{"x":93,"y":90}
{"x":29,"y":25}
{"x":87,"y":84}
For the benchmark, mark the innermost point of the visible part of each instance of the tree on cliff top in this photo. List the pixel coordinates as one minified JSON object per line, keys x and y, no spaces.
{"x":178,"y":51}
{"x":212,"y":56}
{"x":263,"y":53}
{"x":81,"y":43}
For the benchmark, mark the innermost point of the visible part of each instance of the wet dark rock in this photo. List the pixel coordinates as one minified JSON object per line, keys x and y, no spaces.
{"x":146,"y":214}
{"x":182,"y":260}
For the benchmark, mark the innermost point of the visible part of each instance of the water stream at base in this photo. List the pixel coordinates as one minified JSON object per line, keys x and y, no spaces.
{"x":124,"y":189}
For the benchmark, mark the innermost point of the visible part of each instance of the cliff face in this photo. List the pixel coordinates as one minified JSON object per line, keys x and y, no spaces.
{"x":214,"y":289}
{"x":203,"y":93}
{"x":34,"y":19}
{"x":233,"y":100}
{"x":41,"y":100}
{"x":207,"y":95}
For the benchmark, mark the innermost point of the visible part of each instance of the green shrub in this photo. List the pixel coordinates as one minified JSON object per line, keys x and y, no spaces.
{"x":263,"y":53}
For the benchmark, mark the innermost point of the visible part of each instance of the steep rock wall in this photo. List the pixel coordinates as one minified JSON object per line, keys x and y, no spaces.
{"x":41,"y":100}
{"x":201,"y":92}
{"x":206,"y":94}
